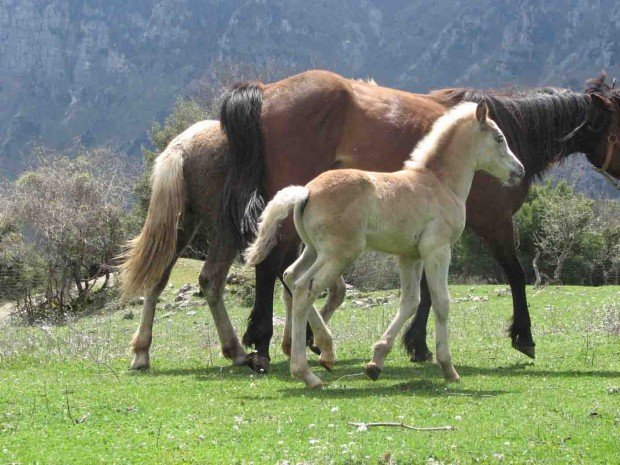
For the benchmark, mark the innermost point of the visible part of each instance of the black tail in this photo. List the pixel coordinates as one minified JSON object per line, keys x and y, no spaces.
{"x":243,"y":197}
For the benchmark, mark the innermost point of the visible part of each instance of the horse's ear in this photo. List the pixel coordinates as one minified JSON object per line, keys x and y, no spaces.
{"x":601,"y":102}
{"x":601,"y":77}
{"x":481,"y":112}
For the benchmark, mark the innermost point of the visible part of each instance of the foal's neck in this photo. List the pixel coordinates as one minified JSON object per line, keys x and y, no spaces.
{"x":453,"y":164}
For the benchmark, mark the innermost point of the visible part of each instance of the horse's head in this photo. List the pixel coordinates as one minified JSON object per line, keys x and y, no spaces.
{"x":494,"y":155}
{"x":605,"y":156}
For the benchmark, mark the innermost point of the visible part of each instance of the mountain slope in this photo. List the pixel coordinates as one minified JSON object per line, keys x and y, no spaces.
{"x":101,"y":71}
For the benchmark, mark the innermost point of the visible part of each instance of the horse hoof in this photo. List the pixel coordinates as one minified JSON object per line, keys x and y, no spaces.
{"x":453,"y":378}
{"x":422,"y":357}
{"x":312,"y":381}
{"x":530,"y":351}
{"x":314,"y":349}
{"x":329,"y":366}
{"x":257,"y":363}
{"x":139,"y":367}
{"x":140,"y":362}
{"x":373,"y":371}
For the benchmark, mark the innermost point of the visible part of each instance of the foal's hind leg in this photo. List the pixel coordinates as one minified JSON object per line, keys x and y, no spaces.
{"x":335,"y":297}
{"x":212,"y":282}
{"x":322,"y":335}
{"x":410,"y":271}
{"x":305,"y":291}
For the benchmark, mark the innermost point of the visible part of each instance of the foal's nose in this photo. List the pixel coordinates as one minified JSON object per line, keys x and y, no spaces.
{"x":517,"y":174}
{"x":520,"y":171}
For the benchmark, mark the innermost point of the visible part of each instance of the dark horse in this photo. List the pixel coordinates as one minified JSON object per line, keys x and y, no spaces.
{"x":290,"y":131}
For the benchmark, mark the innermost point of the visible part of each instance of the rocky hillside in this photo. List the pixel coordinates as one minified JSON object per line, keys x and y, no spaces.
{"x":101,"y":71}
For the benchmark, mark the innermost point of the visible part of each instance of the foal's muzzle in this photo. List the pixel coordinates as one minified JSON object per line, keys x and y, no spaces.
{"x":516,"y":176}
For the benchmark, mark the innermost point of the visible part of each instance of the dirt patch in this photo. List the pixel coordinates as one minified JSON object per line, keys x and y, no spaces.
{"x":6,"y":309}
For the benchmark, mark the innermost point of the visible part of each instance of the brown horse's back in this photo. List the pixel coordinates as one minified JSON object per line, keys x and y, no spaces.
{"x":384,"y":125}
{"x":303,"y":122}
{"x":317,"y":120}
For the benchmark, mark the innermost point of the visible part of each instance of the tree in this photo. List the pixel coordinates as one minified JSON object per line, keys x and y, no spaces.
{"x":73,"y":210}
{"x":565,"y":228}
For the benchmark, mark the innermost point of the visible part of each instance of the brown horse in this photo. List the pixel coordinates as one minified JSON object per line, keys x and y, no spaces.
{"x":415,"y":214}
{"x":290,"y":131}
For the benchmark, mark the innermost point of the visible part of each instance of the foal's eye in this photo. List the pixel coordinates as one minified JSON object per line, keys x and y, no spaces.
{"x":499,"y":138}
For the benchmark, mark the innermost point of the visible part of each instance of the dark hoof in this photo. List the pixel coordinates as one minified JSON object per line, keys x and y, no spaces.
{"x":373,"y":371}
{"x":422,"y":357}
{"x":328,"y":367}
{"x":530,"y":351}
{"x":314,"y":349}
{"x":257,"y":363}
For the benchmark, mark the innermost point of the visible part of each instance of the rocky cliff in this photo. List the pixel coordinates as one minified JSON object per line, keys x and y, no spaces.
{"x":100,"y":71}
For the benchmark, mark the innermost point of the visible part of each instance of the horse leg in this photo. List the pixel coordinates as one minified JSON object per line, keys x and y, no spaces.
{"x":322,"y":336}
{"x":410,"y":272}
{"x":437,"y":265}
{"x":212,"y":281}
{"x":415,"y":336}
{"x":335,"y":297}
{"x":305,"y":291}
{"x":142,"y":338}
{"x":520,"y":330}
{"x":260,"y":321}
{"x":501,"y":241}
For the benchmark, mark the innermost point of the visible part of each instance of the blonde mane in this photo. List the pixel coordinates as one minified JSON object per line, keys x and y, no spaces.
{"x":440,"y":133}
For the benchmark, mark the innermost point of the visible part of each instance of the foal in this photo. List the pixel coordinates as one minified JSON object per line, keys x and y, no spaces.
{"x":415,"y":213}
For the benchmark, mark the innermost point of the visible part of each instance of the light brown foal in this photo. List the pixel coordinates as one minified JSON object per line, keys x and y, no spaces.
{"x":416,"y":214}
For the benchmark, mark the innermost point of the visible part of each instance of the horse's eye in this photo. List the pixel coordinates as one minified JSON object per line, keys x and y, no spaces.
{"x":499,"y":138}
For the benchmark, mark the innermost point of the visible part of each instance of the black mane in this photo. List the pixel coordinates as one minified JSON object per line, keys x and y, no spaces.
{"x":542,"y":126}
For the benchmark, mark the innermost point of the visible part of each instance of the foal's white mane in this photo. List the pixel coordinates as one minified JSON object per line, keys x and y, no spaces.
{"x":428,"y":145}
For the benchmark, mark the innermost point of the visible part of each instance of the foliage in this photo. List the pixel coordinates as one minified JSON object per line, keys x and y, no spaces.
{"x":67,"y":396}
{"x":72,"y":211}
{"x":578,"y":239}
{"x":576,"y":235}
{"x":19,"y":264}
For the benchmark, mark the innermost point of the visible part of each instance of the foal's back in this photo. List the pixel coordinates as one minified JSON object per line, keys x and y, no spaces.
{"x":387,"y":212}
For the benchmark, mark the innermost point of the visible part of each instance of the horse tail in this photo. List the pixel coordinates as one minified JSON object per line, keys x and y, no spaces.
{"x":149,"y":254}
{"x":243,"y":196}
{"x":275,"y":212}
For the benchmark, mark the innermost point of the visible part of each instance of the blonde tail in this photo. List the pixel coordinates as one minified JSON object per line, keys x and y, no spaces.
{"x":274,"y":213}
{"x":149,"y":254}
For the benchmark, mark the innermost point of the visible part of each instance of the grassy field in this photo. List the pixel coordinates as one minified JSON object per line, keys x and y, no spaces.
{"x":66,"y":396}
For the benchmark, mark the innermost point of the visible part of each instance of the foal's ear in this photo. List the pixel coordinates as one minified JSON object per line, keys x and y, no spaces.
{"x":481,"y":112}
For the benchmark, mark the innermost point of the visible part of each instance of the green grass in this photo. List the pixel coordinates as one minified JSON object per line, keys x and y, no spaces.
{"x":66,"y":396}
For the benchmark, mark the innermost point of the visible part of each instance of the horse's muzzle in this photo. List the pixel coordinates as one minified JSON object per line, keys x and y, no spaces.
{"x":516,"y":176}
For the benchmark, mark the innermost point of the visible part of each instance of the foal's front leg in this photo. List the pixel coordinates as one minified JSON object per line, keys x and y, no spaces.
{"x":410,"y":272}
{"x":436,"y":266}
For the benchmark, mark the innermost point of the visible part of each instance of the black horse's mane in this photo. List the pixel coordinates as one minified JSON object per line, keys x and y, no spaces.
{"x":542,"y":125}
